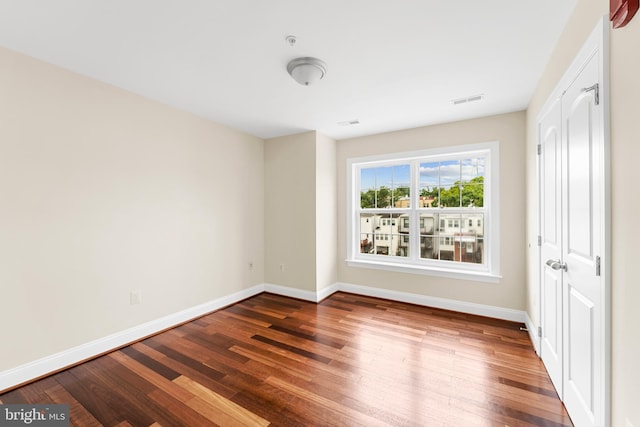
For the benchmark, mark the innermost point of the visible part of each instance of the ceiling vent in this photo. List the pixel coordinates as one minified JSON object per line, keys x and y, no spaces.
{"x":468,"y":99}
{"x":349,"y":122}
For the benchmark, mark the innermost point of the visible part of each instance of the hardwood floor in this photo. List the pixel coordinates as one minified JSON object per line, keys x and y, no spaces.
{"x":348,"y":361}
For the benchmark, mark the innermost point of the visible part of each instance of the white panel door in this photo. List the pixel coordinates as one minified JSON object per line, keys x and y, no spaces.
{"x":550,"y":137}
{"x":574,"y":224}
{"x":582,"y":208}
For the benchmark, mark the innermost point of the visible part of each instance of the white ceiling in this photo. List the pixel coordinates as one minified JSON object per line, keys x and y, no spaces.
{"x":391,"y":64}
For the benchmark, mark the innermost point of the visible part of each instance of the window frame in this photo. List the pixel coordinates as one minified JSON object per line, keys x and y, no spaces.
{"x":488,"y":271}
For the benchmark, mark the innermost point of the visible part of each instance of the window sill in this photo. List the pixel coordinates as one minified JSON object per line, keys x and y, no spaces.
{"x":477,"y":276}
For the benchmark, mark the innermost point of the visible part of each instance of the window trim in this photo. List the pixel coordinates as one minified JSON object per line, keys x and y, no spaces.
{"x":487,"y":272}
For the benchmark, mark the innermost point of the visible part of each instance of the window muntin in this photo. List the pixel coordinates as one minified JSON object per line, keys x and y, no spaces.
{"x":426,"y":211}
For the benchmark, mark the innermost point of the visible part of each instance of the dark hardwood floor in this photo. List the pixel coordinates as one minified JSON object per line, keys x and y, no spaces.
{"x":348,"y":361}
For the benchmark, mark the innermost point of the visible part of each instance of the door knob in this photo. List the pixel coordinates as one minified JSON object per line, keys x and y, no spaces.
{"x":556,"y":264}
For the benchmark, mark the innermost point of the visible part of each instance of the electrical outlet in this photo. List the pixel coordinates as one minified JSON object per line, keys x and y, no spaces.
{"x":282,"y":267}
{"x":135,"y":297}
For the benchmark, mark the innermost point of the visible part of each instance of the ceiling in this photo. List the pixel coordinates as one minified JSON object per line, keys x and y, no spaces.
{"x":390,"y":64}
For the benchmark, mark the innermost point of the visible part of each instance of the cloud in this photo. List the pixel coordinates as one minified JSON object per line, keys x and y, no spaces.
{"x":443,"y":174}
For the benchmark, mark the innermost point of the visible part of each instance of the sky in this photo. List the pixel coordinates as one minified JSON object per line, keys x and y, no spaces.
{"x":432,"y":174}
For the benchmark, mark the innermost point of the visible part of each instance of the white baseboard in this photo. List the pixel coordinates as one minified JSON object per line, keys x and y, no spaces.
{"x":533,"y":334}
{"x":291,"y":292}
{"x":302,"y":294}
{"x":58,"y":361}
{"x":446,"y":304}
{"x":328,"y":291}
{"x":63,"y":359}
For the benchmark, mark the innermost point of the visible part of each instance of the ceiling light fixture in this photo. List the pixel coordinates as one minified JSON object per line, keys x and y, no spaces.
{"x":307,"y":71}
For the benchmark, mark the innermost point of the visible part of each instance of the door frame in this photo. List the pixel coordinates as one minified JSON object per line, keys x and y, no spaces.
{"x":597,"y":42}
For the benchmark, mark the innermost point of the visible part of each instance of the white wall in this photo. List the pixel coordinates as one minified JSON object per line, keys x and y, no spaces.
{"x":625,"y":150}
{"x":103,"y":192}
{"x":509,"y":130}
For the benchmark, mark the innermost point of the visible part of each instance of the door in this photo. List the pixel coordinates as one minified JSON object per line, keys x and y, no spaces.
{"x":550,"y":136}
{"x":582,"y":246}
{"x":574,"y":294}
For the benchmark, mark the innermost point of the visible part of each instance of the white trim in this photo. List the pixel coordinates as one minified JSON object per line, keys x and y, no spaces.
{"x":489,"y":271}
{"x":328,"y":291}
{"x":66,"y":358}
{"x":533,"y":333}
{"x":291,"y":292}
{"x":47,"y":365}
{"x":302,"y":294}
{"x":435,"y":302}
{"x":477,"y":276}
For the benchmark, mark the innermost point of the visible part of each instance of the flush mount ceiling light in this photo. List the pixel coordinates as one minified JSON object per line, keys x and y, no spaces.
{"x":307,"y":71}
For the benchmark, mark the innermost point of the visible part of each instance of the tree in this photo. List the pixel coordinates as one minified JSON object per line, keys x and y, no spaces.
{"x":383,"y":197}
{"x":368,"y":199}
{"x":472,"y":194}
{"x":380,"y":198}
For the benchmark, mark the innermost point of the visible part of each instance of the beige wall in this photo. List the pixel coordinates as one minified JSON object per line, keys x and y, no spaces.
{"x":300,"y":209}
{"x":509,"y":130}
{"x":103,"y":192}
{"x":290,"y":200}
{"x":625,"y":151}
{"x":625,"y":128}
{"x":326,"y":213}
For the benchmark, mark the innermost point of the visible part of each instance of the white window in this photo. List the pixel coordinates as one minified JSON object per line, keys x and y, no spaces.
{"x":402,"y":198}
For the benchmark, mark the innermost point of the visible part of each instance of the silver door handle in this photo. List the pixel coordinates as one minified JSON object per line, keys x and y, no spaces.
{"x":556,"y":264}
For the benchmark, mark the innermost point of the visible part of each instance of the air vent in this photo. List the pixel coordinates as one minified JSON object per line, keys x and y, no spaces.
{"x":467,"y":99}
{"x":349,"y":122}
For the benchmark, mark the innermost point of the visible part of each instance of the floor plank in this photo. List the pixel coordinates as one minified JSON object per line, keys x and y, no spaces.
{"x":350,"y":360}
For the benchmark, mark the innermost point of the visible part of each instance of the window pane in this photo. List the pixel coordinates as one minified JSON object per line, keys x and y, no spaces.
{"x":447,"y":236}
{"x":450,"y":184}
{"x":367,"y":188}
{"x":449,"y":173}
{"x":384,"y":234}
{"x":385,"y":187}
{"x":402,"y":234}
{"x":473,"y":171}
{"x":472,"y":168}
{"x":471,"y":237}
{"x":428,"y":236}
{"x":401,"y":186}
{"x":468,"y":248}
{"x":473,"y":194}
{"x":367,"y":231}
{"x":429,"y":184}
{"x":440,"y":183}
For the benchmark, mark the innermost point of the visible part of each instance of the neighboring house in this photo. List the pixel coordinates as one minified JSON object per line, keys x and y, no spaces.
{"x":457,"y":237}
